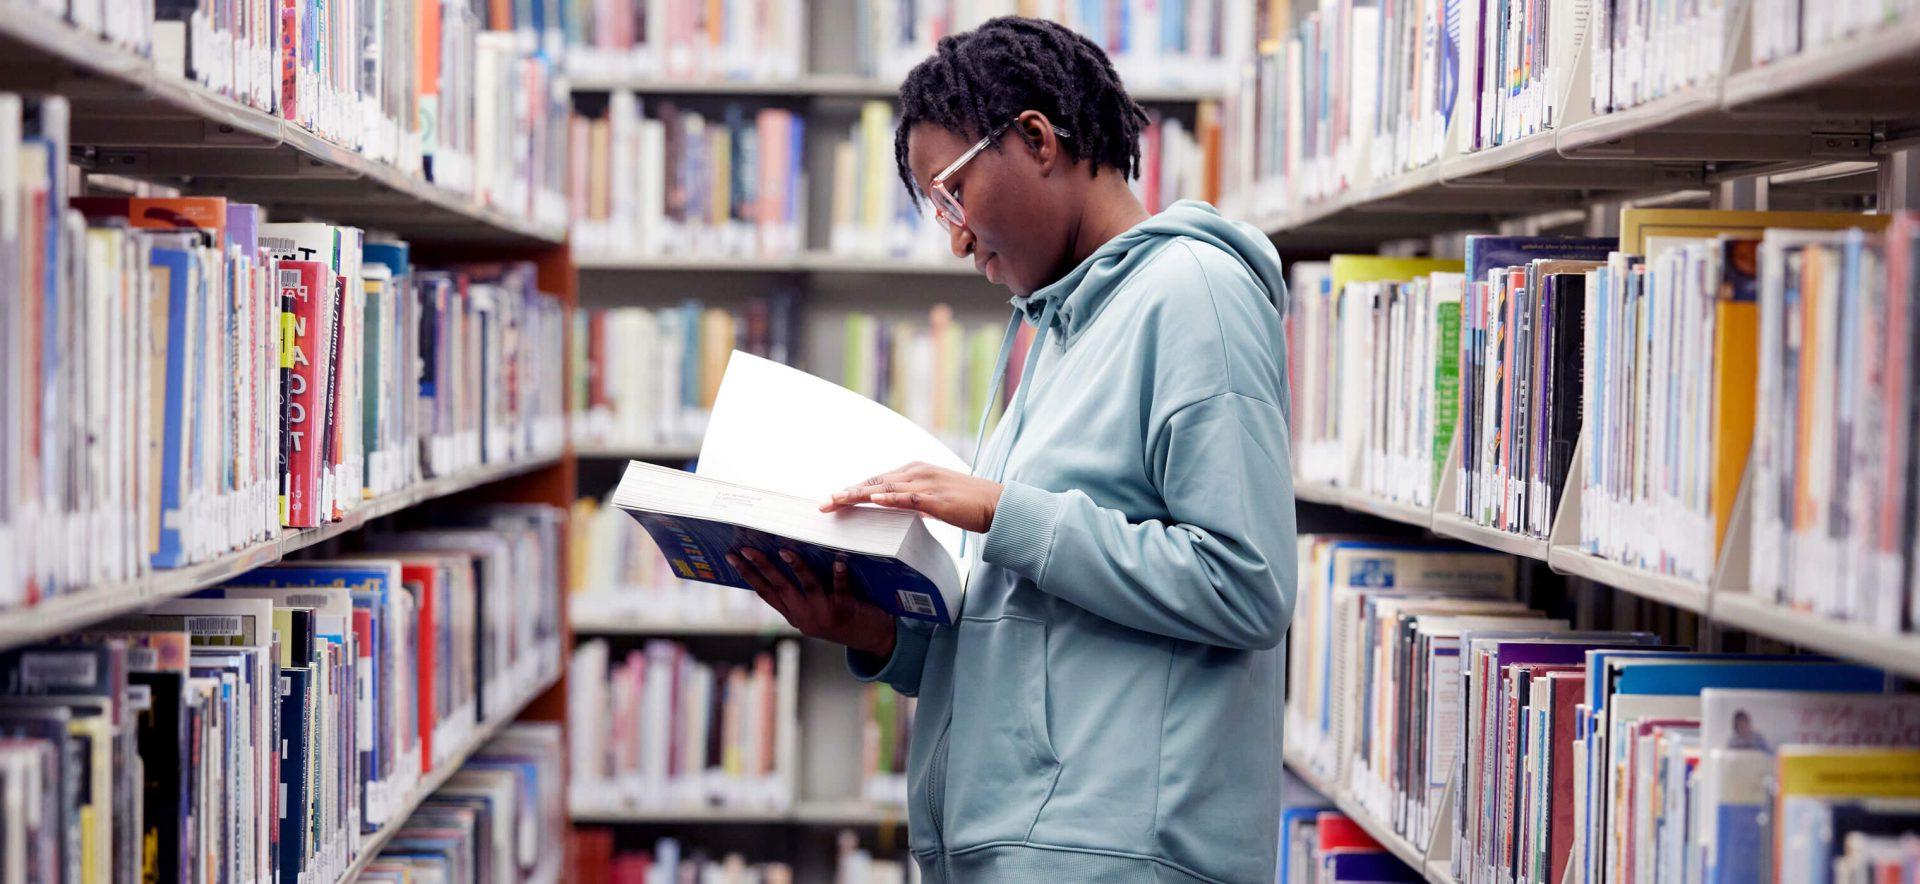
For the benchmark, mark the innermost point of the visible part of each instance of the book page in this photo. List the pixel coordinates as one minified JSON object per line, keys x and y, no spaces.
{"x":784,"y":430}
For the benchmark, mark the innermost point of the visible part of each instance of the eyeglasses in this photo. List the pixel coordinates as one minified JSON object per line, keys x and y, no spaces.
{"x":946,"y":203}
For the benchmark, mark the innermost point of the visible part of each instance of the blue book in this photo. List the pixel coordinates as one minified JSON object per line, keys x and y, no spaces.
{"x":1290,"y":819}
{"x":172,"y":284}
{"x":697,"y":521}
{"x":1375,"y":868}
{"x":1484,"y":253}
{"x":294,"y":683}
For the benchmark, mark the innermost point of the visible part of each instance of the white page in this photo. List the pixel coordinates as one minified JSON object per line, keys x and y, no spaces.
{"x":782,"y":429}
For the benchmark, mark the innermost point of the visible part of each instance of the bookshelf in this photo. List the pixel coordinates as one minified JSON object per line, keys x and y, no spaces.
{"x":816,"y":87}
{"x":133,"y":126}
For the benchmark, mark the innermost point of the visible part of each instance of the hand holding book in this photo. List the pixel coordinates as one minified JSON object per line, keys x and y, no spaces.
{"x":834,"y":611}
{"x":958,"y":499}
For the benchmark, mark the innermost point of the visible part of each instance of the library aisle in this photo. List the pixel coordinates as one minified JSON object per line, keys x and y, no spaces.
{"x":327,"y":331}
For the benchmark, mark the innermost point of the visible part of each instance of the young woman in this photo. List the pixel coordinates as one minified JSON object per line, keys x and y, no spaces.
{"x":1108,"y":706}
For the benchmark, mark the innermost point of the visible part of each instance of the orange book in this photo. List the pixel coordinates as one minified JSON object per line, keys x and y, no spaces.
{"x":207,"y":213}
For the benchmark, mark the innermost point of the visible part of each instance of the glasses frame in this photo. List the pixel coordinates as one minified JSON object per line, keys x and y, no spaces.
{"x":946,"y":206}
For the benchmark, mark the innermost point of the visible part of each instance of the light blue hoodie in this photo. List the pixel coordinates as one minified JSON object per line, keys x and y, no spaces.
{"x":1108,"y":706}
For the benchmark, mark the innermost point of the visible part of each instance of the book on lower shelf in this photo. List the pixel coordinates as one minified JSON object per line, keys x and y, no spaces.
{"x":268,"y":727}
{"x":660,"y":730}
{"x":620,"y":577}
{"x":886,"y":732}
{"x":501,"y":817}
{"x":1321,"y":844}
{"x":282,"y":374}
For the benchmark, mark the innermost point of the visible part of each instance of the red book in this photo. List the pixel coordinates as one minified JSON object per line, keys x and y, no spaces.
{"x":422,"y":579}
{"x":1337,"y":832}
{"x":1564,"y":690}
{"x":305,"y":308}
{"x":630,"y":868}
{"x":592,"y":854}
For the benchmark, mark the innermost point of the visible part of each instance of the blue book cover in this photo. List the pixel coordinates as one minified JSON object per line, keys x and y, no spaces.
{"x":696,"y":549}
{"x":391,"y":255}
{"x":1484,"y":253}
{"x":293,"y":772}
{"x":1371,"y":867}
{"x":169,"y":550}
{"x":1291,"y":818}
{"x":1685,"y":679}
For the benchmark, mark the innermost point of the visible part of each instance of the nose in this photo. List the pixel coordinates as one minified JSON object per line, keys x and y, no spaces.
{"x":961,"y":240}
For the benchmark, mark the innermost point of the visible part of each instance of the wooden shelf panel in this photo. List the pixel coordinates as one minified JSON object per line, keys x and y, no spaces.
{"x":1686,"y":595}
{"x":74,"y":610}
{"x":1462,"y":528}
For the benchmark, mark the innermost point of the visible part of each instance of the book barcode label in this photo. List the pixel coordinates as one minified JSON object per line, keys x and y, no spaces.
{"x":139,"y":697}
{"x":40,"y":671}
{"x":289,"y":278}
{"x":916,"y":602}
{"x":229,"y":626}
{"x":143,"y":659}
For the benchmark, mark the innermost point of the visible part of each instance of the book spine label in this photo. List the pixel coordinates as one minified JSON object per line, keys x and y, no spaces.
{"x":300,"y":288}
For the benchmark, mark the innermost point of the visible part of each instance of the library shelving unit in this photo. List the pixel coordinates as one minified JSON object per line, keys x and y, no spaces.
{"x":1834,"y":127}
{"x":830,"y":285}
{"x":133,"y":125}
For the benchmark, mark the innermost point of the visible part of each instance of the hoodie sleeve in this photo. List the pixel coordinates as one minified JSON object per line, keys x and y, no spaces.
{"x":902,"y":670}
{"x":1219,"y":570}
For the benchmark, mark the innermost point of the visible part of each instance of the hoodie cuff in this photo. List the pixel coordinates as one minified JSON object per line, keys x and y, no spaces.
{"x":909,"y":650}
{"x":1022,"y":531}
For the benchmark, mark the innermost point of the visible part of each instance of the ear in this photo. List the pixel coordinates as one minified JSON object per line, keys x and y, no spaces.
{"x":1037,"y":132}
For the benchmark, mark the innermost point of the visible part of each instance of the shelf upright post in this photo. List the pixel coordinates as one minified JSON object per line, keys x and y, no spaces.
{"x":1748,"y":194}
{"x":1900,"y":179}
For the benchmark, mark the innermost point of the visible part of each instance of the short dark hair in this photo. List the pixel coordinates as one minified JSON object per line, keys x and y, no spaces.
{"x":978,"y":80}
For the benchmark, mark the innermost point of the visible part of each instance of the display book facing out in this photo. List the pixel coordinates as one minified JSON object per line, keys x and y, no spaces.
{"x":760,"y":486}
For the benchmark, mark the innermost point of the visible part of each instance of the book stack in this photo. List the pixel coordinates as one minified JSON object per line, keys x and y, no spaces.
{"x":1320,"y":845}
{"x":886,"y":730}
{"x":1641,"y":53}
{"x":1375,"y":373}
{"x":686,"y":183}
{"x":501,"y":817}
{"x":1171,"y":42}
{"x":661,"y":730}
{"x":1523,"y":59}
{"x":1832,"y":476}
{"x":1783,"y":28}
{"x":873,"y":214}
{"x":619,"y":574}
{"x":1179,"y":163}
{"x":286,"y":372}
{"x":595,"y":859}
{"x":938,"y":374}
{"x":646,"y":378}
{"x":1664,"y":460}
{"x":260,"y":730}
{"x":1521,"y":358}
{"x":682,"y":40}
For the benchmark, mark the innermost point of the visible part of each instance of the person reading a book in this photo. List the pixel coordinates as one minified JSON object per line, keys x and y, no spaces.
{"x":1107,"y":706}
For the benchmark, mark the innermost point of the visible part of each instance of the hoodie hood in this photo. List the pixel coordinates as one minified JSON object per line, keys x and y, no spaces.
{"x":1084,"y":291}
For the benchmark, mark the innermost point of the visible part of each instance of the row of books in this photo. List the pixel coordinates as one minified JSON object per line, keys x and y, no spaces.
{"x":647,"y":377}
{"x":1558,"y":752}
{"x":1178,"y":162}
{"x":1154,"y":42}
{"x":660,"y":729}
{"x":419,"y":86}
{"x":886,"y":730}
{"x":939,"y":374}
{"x":1642,"y":52}
{"x":287,"y":372}
{"x":619,"y":574}
{"x":685,"y":182}
{"x":501,"y":818}
{"x":1680,"y":304}
{"x":259,"y":730}
{"x":873,"y":215}
{"x":681,"y":40}
{"x":1320,"y":845}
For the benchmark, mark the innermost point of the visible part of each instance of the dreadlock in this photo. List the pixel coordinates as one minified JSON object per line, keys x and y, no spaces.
{"x":977,"y":80}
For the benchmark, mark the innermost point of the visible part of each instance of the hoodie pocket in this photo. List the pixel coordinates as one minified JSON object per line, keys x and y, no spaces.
{"x":1001,"y":766}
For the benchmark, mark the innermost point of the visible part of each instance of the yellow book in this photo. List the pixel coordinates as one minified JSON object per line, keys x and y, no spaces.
{"x":721,"y":182}
{"x":941,"y":320}
{"x":1380,"y":268}
{"x":876,"y":127}
{"x":1638,"y":224}
{"x":579,"y":545}
{"x":716,"y":344}
{"x":1812,"y":780}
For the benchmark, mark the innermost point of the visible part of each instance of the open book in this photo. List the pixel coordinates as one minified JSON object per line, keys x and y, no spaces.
{"x":780,"y":441}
